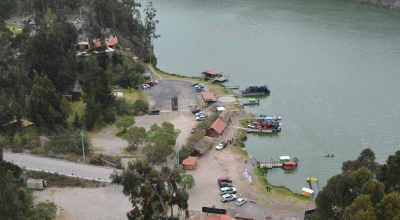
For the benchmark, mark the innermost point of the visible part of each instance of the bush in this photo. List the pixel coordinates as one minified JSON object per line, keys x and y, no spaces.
{"x":140,"y":106}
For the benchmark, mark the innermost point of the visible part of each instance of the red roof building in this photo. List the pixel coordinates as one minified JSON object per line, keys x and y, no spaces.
{"x":190,"y":163}
{"x":217,"y":128}
{"x":211,"y":74}
{"x":208,"y":97}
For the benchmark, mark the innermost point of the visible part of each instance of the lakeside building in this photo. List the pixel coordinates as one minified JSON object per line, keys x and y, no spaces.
{"x":217,"y":128}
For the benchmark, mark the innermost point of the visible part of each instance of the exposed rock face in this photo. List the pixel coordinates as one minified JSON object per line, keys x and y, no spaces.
{"x":202,"y":147}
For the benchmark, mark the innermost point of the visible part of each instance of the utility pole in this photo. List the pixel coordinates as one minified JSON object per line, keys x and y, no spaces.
{"x":83,"y":148}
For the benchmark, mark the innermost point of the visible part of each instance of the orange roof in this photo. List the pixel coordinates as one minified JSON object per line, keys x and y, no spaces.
{"x":212,"y":72}
{"x":112,"y":42}
{"x":209,"y":96}
{"x":218,"y":126}
{"x":191,"y":161}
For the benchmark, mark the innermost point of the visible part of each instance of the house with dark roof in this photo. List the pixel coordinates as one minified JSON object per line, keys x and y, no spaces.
{"x":217,"y":128}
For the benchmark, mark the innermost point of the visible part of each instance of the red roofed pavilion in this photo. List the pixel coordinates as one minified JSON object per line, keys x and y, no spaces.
{"x":214,"y":75}
{"x":190,"y":163}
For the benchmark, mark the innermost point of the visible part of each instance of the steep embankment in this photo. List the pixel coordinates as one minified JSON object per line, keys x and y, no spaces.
{"x":383,"y":3}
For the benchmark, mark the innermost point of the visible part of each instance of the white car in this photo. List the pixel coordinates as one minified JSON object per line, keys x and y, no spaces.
{"x":241,"y":201}
{"x":227,"y":190}
{"x":200,"y":113}
{"x":199,"y":86}
{"x":219,"y":147}
{"x":201,"y":118}
{"x":228,"y":197}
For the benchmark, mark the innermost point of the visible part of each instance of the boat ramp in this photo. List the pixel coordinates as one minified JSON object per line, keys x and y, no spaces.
{"x":314,"y":186}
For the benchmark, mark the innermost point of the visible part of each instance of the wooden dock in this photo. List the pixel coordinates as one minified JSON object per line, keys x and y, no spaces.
{"x":250,"y":103}
{"x":270,"y":164}
{"x":314,"y":186}
{"x":242,"y":94}
{"x":266,"y":131}
{"x":231,"y":87}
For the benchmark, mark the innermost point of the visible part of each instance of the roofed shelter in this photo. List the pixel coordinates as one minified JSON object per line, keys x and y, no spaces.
{"x":217,"y":128}
{"x":189,"y":163}
{"x":214,"y":75}
{"x":208,"y":97}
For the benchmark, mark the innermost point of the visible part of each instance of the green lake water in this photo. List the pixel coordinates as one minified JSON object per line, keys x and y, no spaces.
{"x":333,"y":68}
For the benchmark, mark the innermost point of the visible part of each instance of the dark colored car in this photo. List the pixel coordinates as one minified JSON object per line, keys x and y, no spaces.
{"x":223,"y":184}
{"x":224,"y":143}
{"x":154,"y":112}
{"x":194,"y":111}
{"x":224,"y":179}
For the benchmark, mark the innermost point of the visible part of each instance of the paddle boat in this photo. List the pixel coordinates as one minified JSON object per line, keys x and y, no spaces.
{"x":311,"y":178}
{"x":289,"y":165}
{"x":329,"y":155}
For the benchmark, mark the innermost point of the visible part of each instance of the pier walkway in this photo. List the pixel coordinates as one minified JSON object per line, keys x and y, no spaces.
{"x":314,"y":186}
{"x":270,"y":164}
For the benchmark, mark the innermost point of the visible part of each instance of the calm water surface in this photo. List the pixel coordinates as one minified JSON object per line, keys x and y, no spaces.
{"x":333,"y":69}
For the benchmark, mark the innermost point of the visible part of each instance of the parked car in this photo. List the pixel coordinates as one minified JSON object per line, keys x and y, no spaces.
{"x":194,"y":111}
{"x":201,"y":118}
{"x":150,"y":83}
{"x":219,"y":147}
{"x":199,"y":89}
{"x":225,"y":180}
{"x":155,"y":82}
{"x":200,"y":113}
{"x":228,"y":197}
{"x":227,"y":190}
{"x":195,"y":84}
{"x":223,"y":184}
{"x":241,"y":201}
{"x":154,"y":112}
{"x":199,"y":86}
{"x":193,"y":129}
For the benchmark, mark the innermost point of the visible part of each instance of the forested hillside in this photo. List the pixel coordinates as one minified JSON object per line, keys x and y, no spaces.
{"x":47,"y":59}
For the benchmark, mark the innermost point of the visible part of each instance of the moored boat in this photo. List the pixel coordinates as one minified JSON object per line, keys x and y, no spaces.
{"x":329,"y":155}
{"x":284,"y":159}
{"x":289,"y":165}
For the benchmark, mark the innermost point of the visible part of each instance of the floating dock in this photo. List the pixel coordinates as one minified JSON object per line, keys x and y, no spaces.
{"x":270,"y":164}
{"x":266,"y":131}
{"x":250,"y":103}
{"x":231,"y":87}
{"x":249,"y":94}
{"x":315,"y":187}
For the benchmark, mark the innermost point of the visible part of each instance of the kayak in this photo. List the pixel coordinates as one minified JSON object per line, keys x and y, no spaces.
{"x":330,"y":155}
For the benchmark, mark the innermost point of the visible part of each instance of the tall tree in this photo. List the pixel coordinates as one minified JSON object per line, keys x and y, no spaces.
{"x":149,"y":190}
{"x":366,"y":159}
{"x":390,"y":173}
{"x":125,"y":122}
{"x":389,"y":207}
{"x":361,"y":209}
{"x":44,"y":104}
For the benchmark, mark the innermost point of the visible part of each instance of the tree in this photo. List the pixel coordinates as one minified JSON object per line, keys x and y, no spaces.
{"x":125,"y":29}
{"x":361,"y":209}
{"x":149,"y":190}
{"x":125,"y":122}
{"x":188,"y":181}
{"x":160,"y":142}
{"x":366,"y":159}
{"x":140,"y":106}
{"x":77,"y":123}
{"x":49,"y":17}
{"x":65,"y":108}
{"x":389,"y":207}
{"x":374,"y":189}
{"x":390,"y":173}
{"x":96,"y":32}
{"x":44,"y":104}
{"x":135,"y":136}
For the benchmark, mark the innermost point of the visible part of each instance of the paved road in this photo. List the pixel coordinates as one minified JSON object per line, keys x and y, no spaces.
{"x":62,"y":167}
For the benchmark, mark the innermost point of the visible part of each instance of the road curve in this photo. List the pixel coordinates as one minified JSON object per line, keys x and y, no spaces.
{"x":72,"y":169}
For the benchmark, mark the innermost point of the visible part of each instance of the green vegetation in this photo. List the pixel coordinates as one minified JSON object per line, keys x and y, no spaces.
{"x":135,"y":137}
{"x":16,"y":202}
{"x":77,"y":107}
{"x":59,"y":180}
{"x":151,"y":192}
{"x":242,"y":136}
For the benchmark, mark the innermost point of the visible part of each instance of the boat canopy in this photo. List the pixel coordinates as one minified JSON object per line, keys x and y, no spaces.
{"x":290,"y":163}
{"x":252,"y":99}
{"x":284,"y":158}
{"x":307,"y":190}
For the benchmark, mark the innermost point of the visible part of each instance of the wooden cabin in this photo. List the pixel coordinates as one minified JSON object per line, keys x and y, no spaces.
{"x":189,"y":163}
{"x":217,"y":128}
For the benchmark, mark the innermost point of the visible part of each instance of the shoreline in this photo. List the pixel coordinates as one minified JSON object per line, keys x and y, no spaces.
{"x":238,"y":146}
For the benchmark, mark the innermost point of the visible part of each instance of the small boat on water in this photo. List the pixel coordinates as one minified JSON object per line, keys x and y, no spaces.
{"x":289,"y":165}
{"x":311,"y":178}
{"x":284,"y":159}
{"x":329,"y":155}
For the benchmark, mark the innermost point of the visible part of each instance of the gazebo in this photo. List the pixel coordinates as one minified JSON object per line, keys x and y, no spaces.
{"x":189,"y":163}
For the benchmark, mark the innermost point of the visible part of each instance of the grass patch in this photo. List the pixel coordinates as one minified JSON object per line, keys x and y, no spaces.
{"x":300,"y":200}
{"x":55,"y":179}
{"x":94,"y":148}
{"x":79,"y":107}
{"x":15,"y":27}
{"x":259,"y":186}
{"x":279,"y":195}
{"x":297,"y":209}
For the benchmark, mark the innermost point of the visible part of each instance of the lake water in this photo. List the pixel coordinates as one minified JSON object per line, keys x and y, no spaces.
{"x":333,"y":68}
